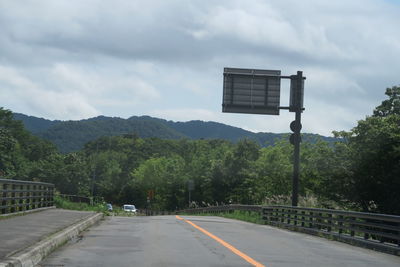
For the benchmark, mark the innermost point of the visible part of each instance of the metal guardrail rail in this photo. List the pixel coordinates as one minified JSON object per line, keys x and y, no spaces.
{"x":17,"y":196}
{"x":224,"y":208}
{"x":375,"y":231}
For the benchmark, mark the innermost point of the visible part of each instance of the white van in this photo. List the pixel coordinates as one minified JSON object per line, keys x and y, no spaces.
{"x":129,"y":208}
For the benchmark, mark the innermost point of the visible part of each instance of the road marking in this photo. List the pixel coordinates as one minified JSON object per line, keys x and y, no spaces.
{"x":225,"y":244}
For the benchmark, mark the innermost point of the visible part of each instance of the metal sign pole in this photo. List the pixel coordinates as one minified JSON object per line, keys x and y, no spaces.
{"x":297,"y":139}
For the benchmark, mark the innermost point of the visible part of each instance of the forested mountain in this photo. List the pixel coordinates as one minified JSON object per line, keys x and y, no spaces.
{"x":71,"y":136}
{"x":34,"y":124}
{"x":359,"y":173}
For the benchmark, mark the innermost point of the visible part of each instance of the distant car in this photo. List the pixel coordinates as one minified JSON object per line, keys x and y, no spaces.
{"x":109,"y":207}
{"x":129,"y":208}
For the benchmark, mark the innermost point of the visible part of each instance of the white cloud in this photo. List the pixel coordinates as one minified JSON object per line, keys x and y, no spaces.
{"x":11,"y":78}
{"x":75,"y":59}
{"x":29,"y":97}
{"x":71,"y":92}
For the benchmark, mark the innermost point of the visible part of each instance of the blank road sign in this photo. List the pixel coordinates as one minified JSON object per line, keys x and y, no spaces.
{"x":251,"y":91}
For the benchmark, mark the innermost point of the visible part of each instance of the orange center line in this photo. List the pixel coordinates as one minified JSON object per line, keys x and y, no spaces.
{"x":225,"y":244}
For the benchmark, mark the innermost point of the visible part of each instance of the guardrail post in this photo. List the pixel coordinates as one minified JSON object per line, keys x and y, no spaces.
{"x":319,"y":221}
{"x":340,"y":224}
{"x":41,"y":200}
{"x":46,"y":196}
{"x":51,"y":196}
{"x":13,"y":198}
{"x":276,"y":213}
{"x":330,"y":222}
{"x":20,"y":197}
{"x":33,"y":192}
{"x":23,"y":195}
{"x":4,"y":200}
{"x":302,"y":218}
{"x":264,"y":215}
{"x":352,"y":233}
{"x":366,"y":236}
{"x":27,"y":197}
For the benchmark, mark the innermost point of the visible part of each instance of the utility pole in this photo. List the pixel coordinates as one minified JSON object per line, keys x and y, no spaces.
{"x":297,"y":138}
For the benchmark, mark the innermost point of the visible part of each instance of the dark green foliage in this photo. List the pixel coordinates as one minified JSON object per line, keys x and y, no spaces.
{"x":390,"y":106}
{"x":20,"y":152}
{"x":71,"y":136}
{"x":360,"y":171}
{"x":371,"y":175}
{"x":33,"y":124}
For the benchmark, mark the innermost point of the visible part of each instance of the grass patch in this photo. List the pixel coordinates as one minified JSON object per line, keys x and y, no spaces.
{"x":62,"y":203}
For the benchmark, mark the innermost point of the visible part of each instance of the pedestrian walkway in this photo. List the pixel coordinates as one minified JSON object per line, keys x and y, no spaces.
{"x":21,"y":233}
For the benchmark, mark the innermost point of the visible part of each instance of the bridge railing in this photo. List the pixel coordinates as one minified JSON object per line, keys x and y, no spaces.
{"x":17,"y":196}
{"x":223,"y":208}
{"x":375,"y":231}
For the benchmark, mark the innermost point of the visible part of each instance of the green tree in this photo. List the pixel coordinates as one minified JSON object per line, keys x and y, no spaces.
{"x":237,"y":168}
{"x":20,"y":151}
{"x":165,"y":177}
{"x":389,"y":106}
{"x":274,"y":171}
{"x":374,"y":154}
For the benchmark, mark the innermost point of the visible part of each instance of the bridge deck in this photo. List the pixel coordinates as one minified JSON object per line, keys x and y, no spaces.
{"x":20,"y":232}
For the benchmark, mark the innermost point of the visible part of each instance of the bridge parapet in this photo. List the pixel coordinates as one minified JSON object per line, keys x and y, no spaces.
{"x":20,"y":196}
{"x":375,"y":231}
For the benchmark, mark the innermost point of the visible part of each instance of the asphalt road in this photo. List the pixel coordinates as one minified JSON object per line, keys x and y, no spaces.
{"x":206,"y":241}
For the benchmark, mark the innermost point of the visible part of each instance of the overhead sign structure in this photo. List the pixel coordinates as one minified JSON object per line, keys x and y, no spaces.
{"x":258,"y":92}
{"x":251,"y":91}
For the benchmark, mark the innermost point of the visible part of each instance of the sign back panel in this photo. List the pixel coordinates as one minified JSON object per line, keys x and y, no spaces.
{"x":251,"y":91}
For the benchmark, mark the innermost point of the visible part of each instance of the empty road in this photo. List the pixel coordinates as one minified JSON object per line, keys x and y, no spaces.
{"x":206,"y":241}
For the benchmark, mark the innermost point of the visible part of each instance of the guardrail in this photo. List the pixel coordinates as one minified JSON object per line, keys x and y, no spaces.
{"x":224,"y":208}
{"x":149,"y":212}
{"x":375,"y":231}
{"x":17,"y":196}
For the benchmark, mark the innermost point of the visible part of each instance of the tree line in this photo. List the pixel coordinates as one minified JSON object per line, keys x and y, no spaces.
{"x":359,"y":172}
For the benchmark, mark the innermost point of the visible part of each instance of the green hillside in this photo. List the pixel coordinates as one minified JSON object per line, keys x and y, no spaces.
{"x":71,"y":136}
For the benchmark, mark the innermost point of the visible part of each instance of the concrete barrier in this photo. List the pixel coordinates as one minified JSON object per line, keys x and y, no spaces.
{"x":32,"y":255}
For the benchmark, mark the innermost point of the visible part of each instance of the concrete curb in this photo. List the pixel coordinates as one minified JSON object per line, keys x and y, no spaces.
{"x":36,"y":253}
{"x":19,"y":213}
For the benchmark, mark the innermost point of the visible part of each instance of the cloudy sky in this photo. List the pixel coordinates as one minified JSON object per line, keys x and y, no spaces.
{"x":74,"y":59}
